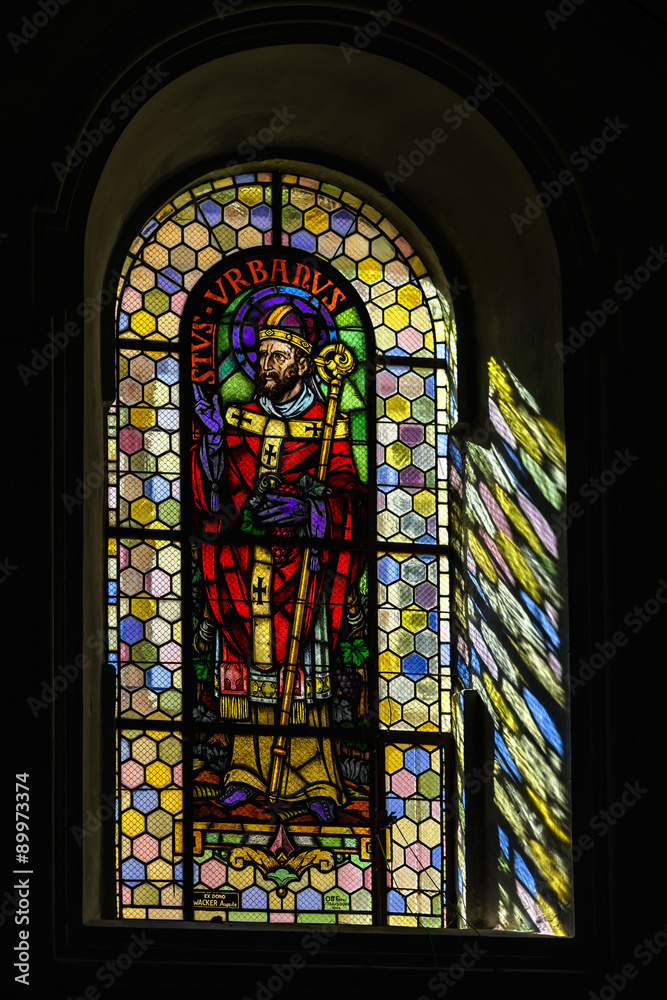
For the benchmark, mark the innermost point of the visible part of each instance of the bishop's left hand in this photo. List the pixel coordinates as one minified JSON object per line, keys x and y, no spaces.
{"x":280,"y":509}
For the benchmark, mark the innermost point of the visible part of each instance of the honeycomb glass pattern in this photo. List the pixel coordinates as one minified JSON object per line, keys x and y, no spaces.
{"x":411,"y":319}
{"x":144,"y":481}
{"x":413,"y":642}
{"x":186,"y":237}
{"x":415,"y":840}
{"x":149,"y":830}
{"x":145,"y":626}
{"x":412,"y":455}
{"x":413,"y":373}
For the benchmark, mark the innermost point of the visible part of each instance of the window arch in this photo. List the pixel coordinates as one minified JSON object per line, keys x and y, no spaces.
{"x":214,"y":253}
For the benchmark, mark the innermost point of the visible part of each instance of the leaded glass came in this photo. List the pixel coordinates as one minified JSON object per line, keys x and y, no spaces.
{"x":278,"y":561}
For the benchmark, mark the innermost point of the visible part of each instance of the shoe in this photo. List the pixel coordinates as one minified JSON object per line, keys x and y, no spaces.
{"x":236,"y":795}
{"x":323,"y":808}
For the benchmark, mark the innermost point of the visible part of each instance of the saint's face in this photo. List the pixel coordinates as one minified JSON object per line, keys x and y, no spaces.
{"x":280,"y":371}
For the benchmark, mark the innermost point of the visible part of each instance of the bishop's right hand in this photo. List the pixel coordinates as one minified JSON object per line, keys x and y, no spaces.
{"x":208,"y":411}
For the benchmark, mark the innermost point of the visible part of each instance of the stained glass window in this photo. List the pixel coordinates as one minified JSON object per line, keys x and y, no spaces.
{"x":278,"y":561}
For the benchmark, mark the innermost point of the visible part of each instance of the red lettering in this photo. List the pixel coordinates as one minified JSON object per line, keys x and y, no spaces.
{"x":208,"y":294}
{"x":200,"y":343}
{"x":319,"y":288}
{"x":299,"y":268}
{"x":237,"y":281}
{"x":279,"y":264}
{"x":202,"y":340}
{"x":337,"y":294}
{"x":257,"y":271}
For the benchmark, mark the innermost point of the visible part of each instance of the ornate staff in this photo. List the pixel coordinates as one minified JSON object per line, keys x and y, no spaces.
{"x":334,"y":362}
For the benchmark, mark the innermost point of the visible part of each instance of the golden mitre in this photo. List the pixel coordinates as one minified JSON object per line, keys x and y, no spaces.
{"x":274,"y":332}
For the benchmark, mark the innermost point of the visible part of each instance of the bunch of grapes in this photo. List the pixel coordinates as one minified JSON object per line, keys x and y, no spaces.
{"x":349,"y":683}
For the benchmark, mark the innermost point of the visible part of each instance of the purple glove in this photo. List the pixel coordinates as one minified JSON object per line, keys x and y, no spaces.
{"x":208,"y":411}
{"x":210,"y":448}
{"x":280,"y":509}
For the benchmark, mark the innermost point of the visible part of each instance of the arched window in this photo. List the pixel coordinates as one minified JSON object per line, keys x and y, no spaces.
{"x":279,"y":561}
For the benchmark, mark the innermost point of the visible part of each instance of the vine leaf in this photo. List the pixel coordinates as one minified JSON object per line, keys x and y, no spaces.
{"x":354,"y":652}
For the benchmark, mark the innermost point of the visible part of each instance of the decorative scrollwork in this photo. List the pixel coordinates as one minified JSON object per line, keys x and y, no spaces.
{"x":282,"y":870}
{"x":334,"y":361}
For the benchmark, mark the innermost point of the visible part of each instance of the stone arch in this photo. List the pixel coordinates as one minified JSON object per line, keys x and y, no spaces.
{"x":509,"y":281}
